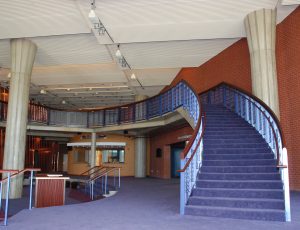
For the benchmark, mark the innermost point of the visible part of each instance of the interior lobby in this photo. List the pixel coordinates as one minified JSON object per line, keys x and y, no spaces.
{"x":133,"y":114}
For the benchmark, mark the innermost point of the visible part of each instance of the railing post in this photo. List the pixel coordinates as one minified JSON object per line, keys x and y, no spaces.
{"x":182,"y":188}
{"x":104,"y":119}
{"x":119,"y":178}
{"x":105,"y":186}
{"x":7,"y":198}
{"x":286,"y":186}
{"x":224,"y":97}
{"x":31,"y":184}
{"x":0,"y":195}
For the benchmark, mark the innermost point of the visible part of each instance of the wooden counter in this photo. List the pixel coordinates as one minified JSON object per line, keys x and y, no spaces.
{"x":50,"y":190}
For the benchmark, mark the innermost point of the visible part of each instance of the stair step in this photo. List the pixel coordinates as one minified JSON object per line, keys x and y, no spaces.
{"x":214,"y":135}
{"x":237,"y":150}
{"x":237,"y":202}
{"x":239,"y":176}
{"x":238,"y":169}
{"x":239,"y":162}
{"x":240,"y":184}
{"x":240,"y":193}
{"x":238,"y":156}
{"x":233,"y":145}
{"x":236,"y":213}
{"x":238,"y":139}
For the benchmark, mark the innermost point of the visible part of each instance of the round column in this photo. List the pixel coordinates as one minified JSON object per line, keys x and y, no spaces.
{"x":140,"y":156}
{"x":260,"y":28}
{"x":22,"y":58}
{"x":140,"y":150}
{"x":93,"y":150}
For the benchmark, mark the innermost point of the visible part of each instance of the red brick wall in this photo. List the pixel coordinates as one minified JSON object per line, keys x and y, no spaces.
{"x":233,"y":66}
{"x":160,"y":167}
{"x":288,"y":68}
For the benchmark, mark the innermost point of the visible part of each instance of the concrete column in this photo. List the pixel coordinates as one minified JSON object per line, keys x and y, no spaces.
{"x":261,"y":32}
{"x":140,"y":156}
{"x":22,"y":58}
{"x":140,"y":150}
{"x":93,"y":150}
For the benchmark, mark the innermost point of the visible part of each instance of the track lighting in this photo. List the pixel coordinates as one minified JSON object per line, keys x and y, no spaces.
{"x":118,"y":52}
{"x":43,"y":91}
{"x":133,"y":77}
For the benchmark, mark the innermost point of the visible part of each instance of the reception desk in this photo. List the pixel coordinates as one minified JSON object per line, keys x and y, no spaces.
{"x":50,"y":190}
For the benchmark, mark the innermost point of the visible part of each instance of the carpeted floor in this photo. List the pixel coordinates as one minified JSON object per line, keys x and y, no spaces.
{"x":140,"y":204}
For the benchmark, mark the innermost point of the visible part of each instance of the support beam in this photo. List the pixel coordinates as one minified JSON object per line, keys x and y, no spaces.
{"x":261,"y":32}
{"x":22,"y":58}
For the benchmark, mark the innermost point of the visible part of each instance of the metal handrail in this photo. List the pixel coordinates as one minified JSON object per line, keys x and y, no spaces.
{"x":197,"y":146}
{"x":92,"y":180}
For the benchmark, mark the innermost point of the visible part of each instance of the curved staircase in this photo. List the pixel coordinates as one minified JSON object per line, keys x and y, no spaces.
{"x":238,"y":177}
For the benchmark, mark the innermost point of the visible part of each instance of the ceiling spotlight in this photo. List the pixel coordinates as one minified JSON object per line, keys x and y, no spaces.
{"x":9,"y":75}
{"x":90,"y":89}
{"x":96,"y":93}
{"x":63,"y":102}
{"x":68,"y":89}
{"x":43,"y":91}
{"x":118,"y":52}
{"x":133,"y":77}
{"x":92,"y":14}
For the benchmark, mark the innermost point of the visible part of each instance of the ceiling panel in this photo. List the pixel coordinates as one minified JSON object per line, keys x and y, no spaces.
{"x":33,"y":18}
{"x":173,"y":54}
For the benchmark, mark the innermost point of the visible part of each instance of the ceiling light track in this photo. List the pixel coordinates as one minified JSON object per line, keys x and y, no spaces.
{"x":98,"y":25}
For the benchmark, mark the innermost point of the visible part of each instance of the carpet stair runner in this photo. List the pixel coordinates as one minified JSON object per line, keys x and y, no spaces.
{"x":238,"y":178}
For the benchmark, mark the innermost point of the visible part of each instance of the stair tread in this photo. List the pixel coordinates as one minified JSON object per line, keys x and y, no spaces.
{"x":235,"y":209}
{"x":243,"y":189}
{"x":237,"y":198}
{"x":241,"y":181}
{"x":243,"y":173}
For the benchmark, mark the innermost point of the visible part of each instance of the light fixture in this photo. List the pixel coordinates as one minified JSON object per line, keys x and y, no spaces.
{"x":9,"y":75}
{"x":90,"y":89}
{"x":92,"y":11}
{"x":63,"y":102}
{"x":133,"y":77}
{"x":118,"y":53}
{"x":43,"y":91}
{"x":68,"y":89}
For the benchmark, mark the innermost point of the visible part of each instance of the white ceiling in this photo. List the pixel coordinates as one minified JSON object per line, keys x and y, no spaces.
{"x":156,"y":37}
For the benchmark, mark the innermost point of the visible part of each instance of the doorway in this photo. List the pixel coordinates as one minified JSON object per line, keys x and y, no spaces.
{"x":176,"y":150}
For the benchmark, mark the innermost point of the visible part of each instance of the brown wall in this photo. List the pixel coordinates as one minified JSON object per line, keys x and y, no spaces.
{"x":127,"y":168}
{"x":161,"y":167}
{"x":233,"y":66}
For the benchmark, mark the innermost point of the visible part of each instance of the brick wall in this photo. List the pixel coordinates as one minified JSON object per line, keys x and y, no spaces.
{"x":288,"y":70}
{"x":233,"y":66}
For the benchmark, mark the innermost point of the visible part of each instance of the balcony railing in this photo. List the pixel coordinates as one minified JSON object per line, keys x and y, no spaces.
{"x":139,"y":111}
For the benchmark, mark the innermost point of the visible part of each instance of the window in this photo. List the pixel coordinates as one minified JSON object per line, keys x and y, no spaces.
{"x":81,"y":156}
{"x":113,"y":156}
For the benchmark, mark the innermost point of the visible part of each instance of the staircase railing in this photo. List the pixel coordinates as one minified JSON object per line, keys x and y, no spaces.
{"x":191,"y":157}
{"x":261,"y":117}
{"x":10,"y":174}
{"x":103,"y":175}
